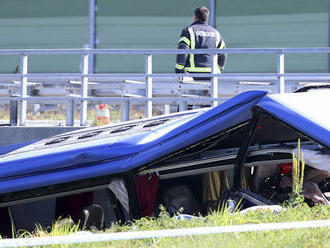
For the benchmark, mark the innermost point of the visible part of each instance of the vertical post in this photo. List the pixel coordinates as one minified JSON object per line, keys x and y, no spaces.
{"x":167,"y":109}
{"x":280,"y":70}
{"x":125,"y":110}
{"x":148,"y":70}
{"x":23,"y":103}
{"x":13,"y":112}
{"x":212,"y":7}
{"x":92,"y":33}
{"x":84,"y":92}
{"x":183,"y":103}
{"x":214,"y":80}
{"x":69,"y":112}
{"x":183,"y":106}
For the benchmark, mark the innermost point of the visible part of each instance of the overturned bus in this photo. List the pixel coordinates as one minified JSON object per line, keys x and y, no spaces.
{"x":193,"y":161}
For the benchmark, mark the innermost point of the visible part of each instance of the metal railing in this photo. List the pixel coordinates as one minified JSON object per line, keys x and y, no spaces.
{"x":146,"y":79}
{"x":88,"y":237}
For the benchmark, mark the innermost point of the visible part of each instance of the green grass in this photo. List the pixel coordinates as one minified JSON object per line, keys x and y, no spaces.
{"x":317,"y":237}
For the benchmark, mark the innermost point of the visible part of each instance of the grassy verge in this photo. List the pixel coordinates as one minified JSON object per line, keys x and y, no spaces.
{"x":316,"y":237}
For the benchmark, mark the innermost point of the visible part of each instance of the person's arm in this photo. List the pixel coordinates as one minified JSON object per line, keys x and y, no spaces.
{"x":221,"y":57}
{"x":181,"y":59}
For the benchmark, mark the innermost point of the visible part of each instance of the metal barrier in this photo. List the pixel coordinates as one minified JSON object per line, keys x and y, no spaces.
{"x":84,"y":81}
{"x":87,"y":237}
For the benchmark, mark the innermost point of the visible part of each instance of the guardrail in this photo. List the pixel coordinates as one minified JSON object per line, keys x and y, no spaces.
{"x":84,"y":81}
{"x":87,"y":237}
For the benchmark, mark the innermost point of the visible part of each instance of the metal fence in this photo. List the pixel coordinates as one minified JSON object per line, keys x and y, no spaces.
{"x":148,"y":81}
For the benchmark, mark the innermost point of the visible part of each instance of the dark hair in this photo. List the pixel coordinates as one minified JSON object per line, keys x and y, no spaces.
{"x":202,"y":13}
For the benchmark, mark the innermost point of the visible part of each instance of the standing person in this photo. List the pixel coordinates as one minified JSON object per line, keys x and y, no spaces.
{"x":199,"y":35}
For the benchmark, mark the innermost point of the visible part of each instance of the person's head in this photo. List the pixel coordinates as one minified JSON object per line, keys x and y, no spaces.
{"x":201,"y":14}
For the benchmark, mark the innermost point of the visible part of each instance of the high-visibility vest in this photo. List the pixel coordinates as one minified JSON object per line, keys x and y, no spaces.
{"x":199,"y":35}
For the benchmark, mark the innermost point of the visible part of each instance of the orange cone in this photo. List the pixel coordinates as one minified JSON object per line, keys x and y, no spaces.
{"x":103,"y":114}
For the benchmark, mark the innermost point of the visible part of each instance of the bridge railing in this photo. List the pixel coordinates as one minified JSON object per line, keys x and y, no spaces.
{"x":142,"y":80}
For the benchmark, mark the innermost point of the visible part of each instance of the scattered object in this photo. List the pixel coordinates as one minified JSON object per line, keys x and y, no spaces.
{"x":180,"y":199}
{"x":66,"y":222}
{"x":92,"y":217}
{"x":271,"y":208}
{"x":187,"y":217}
{"x":313,"y":192}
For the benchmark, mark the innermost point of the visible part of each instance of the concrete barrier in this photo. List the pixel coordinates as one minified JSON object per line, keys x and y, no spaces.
{"x":15,"y":135}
